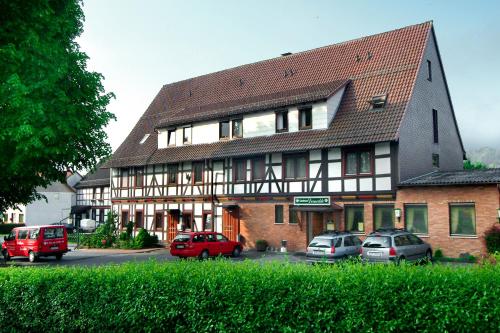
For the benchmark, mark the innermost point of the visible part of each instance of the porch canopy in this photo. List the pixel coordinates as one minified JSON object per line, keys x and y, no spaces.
{"x":332,"y":208}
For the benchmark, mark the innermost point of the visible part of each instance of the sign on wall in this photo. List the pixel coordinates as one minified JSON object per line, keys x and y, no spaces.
{"x":311,"y":201}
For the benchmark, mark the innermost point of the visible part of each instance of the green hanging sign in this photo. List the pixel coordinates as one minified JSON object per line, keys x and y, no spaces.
{"x":311,"y":201}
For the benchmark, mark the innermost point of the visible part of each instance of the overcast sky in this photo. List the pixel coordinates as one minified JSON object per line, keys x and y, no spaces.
{"x":141,"y":45}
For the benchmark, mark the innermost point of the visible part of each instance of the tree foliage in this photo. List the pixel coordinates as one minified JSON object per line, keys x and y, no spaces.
{"x":53,"y":110}
{"x":469,"y":165}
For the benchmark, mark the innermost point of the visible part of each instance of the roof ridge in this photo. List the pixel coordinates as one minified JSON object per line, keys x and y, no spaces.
{"x":430,"y":22}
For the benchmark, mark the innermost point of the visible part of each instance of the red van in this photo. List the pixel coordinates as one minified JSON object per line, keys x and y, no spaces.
{"x":204,"y":245}
{"x":35,"y":242}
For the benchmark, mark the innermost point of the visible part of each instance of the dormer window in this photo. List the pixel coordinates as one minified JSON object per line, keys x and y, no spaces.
{"x":378,"y":102}
{"x":186,"y":135}
{"x":238,"y":128}
{"x":282,"y":121}
{"x":305,"y":118}
{"x":224,"y":129}
{"x":144,"y":138}
{"x":171,"y":137}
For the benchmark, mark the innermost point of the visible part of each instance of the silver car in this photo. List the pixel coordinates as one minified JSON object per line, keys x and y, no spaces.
{"x":394,"y":245}
{"x":332,"y":247}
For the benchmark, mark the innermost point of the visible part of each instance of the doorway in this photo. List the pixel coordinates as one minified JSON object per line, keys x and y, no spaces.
{"x":231,"y":222}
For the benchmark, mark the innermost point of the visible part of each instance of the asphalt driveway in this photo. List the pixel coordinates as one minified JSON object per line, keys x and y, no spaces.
{"x":96,"y":257}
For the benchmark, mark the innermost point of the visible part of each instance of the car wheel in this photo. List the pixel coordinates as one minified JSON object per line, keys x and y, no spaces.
{"x":236,"y":252}
{"x":32,"y":256}
{"x":428,"y":256}
{"x":204,"y":255}
{"x":6,"y":255}
{"x":59,"y":256}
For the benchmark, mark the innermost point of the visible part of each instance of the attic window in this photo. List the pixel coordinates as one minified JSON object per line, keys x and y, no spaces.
{"x":378,"y":102}
{"x":144,"y":138}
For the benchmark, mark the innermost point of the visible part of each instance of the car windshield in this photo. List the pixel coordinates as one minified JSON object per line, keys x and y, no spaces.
{"x":321,"y":242}
{"x":182,"y":238}
{"x":378,"y":241}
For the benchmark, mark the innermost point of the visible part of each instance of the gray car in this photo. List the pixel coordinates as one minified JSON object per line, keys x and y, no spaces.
{"x":394,"y":245}
{"x":331,"y":247}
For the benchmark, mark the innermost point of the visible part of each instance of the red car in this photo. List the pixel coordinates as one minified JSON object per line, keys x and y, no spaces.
{"x":204,"y":245}
{"x":35,"y":242}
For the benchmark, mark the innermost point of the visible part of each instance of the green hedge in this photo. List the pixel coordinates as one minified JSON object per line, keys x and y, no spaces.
{"x":6,"y":228}
{"x":221,"y":296}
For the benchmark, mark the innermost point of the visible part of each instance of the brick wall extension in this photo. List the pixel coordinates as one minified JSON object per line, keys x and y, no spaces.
{"x":486,"y":199}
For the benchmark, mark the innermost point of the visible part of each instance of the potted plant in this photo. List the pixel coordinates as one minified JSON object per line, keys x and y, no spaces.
{"x":261,"y":245}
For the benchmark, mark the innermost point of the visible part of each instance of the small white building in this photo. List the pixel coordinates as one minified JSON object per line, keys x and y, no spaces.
{"x":14,"y":214}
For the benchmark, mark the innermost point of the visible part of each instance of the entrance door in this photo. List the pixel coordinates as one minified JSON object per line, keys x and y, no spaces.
{"x":314,"y":225}
{"x":231,"y":223}
{"x":172,"y":222}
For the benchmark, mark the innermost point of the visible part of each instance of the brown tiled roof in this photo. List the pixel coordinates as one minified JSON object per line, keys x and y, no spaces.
{"x":386,"y":63}
{"x":98,"y":177}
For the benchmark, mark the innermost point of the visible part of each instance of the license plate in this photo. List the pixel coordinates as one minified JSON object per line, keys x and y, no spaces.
{"x":318,"y":252}
{"x":374,"y":254}
{"x":180,"y":246}
{"x":54,"y":247}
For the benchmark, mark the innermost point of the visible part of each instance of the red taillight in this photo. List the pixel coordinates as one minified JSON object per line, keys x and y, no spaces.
{"x":360,"y":250}
{"x":333,"y":249}
{"x":392,"y":251}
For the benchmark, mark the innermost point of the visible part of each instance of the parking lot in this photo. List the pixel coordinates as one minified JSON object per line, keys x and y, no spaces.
{"x":95,"y":257}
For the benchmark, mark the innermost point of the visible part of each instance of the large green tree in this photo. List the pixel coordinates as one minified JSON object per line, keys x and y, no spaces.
{"x":52,"y":109}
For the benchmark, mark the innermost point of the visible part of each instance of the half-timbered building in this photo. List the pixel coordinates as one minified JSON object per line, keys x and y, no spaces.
{"x":285,"y":148}
{"x":92,"y":196}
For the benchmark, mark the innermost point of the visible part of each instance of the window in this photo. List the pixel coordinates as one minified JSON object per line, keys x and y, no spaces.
{"x":239,"y":170}
{"x":305,"y":118}
{"x":146,"y":136}
{"x":34,"y":233}
{"x":224,"y":130}
{"x":462,"y":219}
{"x":354,"y":218}
{"x":22,"y":234}
{"x":124,"y":178}
{"x":197,"y":172}
{"x":171,"y":137}
{"x":278,"y":214}
{"x":402,"y":240}
{"x":53,"y":233}
{"x":94,"y":191}
{"x":238,"y":128}
{"x":93,"y":214}
{"x":435,"y":125}
{"x":172,"y":170}
{"x":21,"y":218}
{"x":186,"y":135}
{"x":348,"y":241}
{"x":221,"y":238}
{"x":199,"y":238}
{"x":159,"y":220}
{"x":102,"y":193}
{"x":414,"y":240}
{"x":383,"y":216}
{"x":416,"y":219}
{"x":358,"y":163}
{"x":293,"y":216}
{"x":187,"y":220}
{"x":211,"y":238}
{"x":295,"y":166}
{"x":258,"y":168}
{"x":435,"y":160}
{"x":429,"y":70}
{"x":207,"y":221}
{"x":101,"y":215}
{"x":282,"y":121}
{"x":124,"y":218}
{"x":139,"y":177}
{"x":378,"y":102}
{"x":139,"y":219}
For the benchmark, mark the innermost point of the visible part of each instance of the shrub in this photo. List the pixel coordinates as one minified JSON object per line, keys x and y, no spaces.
{"x":261,"y":245}
{"x":220,"y":296}
{"x":144,"y":239}
{"x":105,"y":235}
{"x":492,"y":239}
{"x":6,"y":228}
{"x":438,"y":254}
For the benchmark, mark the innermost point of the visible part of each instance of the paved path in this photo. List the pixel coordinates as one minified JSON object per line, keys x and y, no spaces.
{"x":94,"y":257}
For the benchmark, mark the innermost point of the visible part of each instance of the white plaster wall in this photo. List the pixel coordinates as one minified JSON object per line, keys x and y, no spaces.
{"x":319,"y":116}
{"x":383,"y":184}
{"x":382,"y":165}
{"x":335,"y":186}
{"x":332,"y":105}
{"x":162,"y":139}
{"x":293,"y":119}
{"x":365,"y":184}
{"x":334,"y":169}
{"x":205,"y":132}
{"x":382,"y":148}
{"x":350,"y":185}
